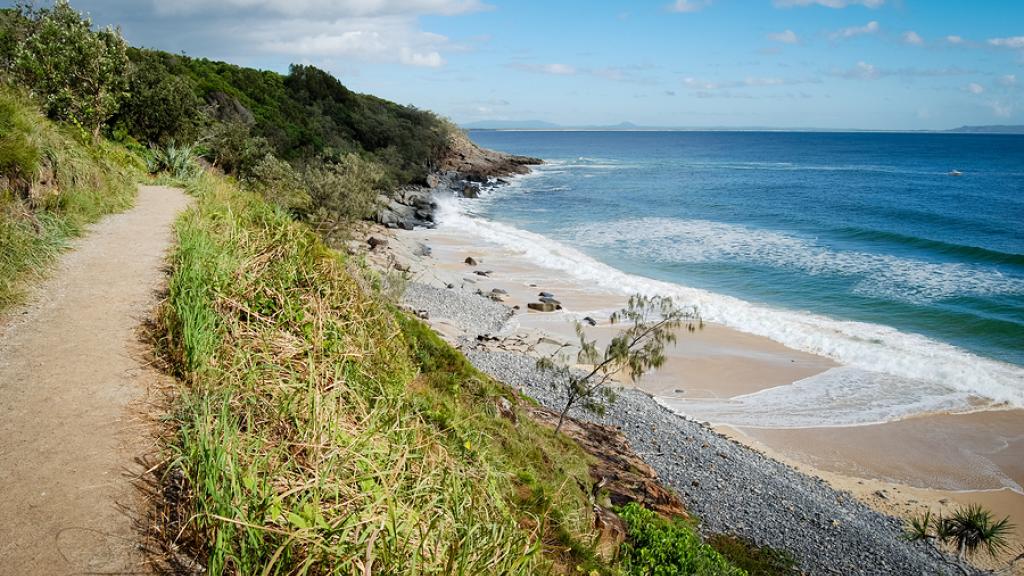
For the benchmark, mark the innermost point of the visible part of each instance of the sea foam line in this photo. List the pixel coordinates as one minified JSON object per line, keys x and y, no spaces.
{"x":871,"y":348}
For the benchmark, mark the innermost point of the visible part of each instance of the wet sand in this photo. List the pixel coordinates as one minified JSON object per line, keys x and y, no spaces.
{"x":936,"y":461}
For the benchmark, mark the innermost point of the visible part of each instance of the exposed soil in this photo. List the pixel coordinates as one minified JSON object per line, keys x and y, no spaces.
{"x":73,"y":386}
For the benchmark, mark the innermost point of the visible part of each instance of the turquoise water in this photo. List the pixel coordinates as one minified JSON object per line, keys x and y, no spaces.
{"x":860,"y":246}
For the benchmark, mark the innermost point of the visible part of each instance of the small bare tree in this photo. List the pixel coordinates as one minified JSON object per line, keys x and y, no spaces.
{"x":651,"y":323}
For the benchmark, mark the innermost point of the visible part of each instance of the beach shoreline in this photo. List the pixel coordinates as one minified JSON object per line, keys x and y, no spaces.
{"x":718,"y":362}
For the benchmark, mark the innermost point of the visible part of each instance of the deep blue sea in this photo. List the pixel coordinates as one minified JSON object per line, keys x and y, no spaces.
{"x":859,"y":246}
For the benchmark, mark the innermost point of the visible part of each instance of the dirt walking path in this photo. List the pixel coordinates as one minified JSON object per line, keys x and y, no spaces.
{"x":71,"y":367}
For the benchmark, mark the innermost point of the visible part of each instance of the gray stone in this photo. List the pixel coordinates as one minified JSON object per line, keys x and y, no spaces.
{"x":470,"y":190}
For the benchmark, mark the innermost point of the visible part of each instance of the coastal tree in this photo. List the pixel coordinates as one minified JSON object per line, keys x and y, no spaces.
{"x":79,"y":74}
{"x":651,"y":322}
{"x":968,"y":530}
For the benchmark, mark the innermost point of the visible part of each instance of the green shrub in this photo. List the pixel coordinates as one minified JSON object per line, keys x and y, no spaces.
{"x":279,"y":182}
{"x":658,"y":547}
{"x":80,"y":74}
{"x":343,"y":191}
{"x":234,"y":148}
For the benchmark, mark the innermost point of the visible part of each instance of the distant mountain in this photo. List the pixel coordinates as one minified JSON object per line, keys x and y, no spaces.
{"x":629,"y":126}
{"x":509,"y":125}
{"x":542,"y":125}
{"x":993,"y":129}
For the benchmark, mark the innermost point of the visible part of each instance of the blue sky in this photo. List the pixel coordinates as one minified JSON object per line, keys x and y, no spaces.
{"x":867,"y":64}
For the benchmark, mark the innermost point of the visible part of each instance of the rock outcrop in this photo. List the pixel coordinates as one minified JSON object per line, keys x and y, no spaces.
{"x":478,"y":164}
{"x":466,"y":172}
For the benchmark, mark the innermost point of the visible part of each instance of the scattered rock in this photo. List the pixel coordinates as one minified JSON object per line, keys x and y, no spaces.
{"x":471,"y":261}
{"x":450,"y":286}
{"x":484,"y":273}
{"x":505,"y":410}
{"x":470,"y":190}
{"x":549,"y":300}
{"x":374,"y":242}
{"x":589,"y":320}
{"x":499,"y":291}
{"x":546,"y":295}
{"x":422,"y":250}
{"x":541,"y":306}
{"x":401,"y":267}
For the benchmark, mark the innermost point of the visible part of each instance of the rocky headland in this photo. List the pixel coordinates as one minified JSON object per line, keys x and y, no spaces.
{"x":466,"y":171}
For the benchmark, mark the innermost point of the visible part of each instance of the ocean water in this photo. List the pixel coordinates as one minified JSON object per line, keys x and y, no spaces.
{"x":858,"y":246}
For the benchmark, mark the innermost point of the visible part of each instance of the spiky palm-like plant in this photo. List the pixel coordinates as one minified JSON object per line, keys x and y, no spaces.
{"x":969,"y":529}
{"x":972,"y":528}
{"x":178,"y":161}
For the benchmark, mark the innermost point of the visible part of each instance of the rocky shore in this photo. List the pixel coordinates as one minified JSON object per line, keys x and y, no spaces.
{"x":467,"y":172}
{"x":729,"y":487}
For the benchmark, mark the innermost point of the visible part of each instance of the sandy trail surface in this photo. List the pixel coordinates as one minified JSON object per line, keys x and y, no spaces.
{"x":73,"y":382}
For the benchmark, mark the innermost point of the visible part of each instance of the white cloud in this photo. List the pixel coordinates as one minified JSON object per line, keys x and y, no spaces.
{"x":318,"y":31}
{"x":394,"y":39}
{"x":316,"y":9}
{"x":975,"y":88}
{"x":865,"y":71}
{"x":1015,"y":42}
{"x":1008,"y":80}
{"x":829,"y":3}
{"x":854,"y":31}
{"x":689,"y":5}
{"x":862,"y":70}
{"x":953,"y":39}
{"x":911,"y":37}
{"x":786,"y":37}
{"x":700,"y":84}
{"x":553,"y":69}
{"x":749,"y":82}
{"x":1001,"y":109}
{"x":928,"y":72}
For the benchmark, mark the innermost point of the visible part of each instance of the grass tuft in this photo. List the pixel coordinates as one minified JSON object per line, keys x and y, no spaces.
{"x":51,"y":186}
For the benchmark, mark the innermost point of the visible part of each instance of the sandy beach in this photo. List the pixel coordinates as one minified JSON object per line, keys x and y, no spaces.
{"x":898,"y":468}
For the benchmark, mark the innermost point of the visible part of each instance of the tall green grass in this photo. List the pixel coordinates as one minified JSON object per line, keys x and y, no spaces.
{"x":52,"y":184}
{"x":320,"y":431}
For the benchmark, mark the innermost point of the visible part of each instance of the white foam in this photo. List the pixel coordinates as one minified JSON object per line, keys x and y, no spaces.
{"x":886,"y":358}
{"x":844,"y":396}
{"x":673,"y":240}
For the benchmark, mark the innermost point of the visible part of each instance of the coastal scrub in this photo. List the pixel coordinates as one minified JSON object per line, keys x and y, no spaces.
{"x":318,"y":429}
